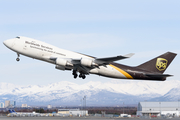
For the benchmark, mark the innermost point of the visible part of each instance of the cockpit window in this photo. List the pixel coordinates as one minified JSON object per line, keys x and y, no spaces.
{"x":18,"y":37}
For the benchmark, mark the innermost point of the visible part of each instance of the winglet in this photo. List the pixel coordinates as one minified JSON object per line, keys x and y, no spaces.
{"x":129,"y":55}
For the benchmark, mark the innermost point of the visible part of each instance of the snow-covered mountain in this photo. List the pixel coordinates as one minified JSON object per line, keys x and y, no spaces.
{"x":109,"y":93}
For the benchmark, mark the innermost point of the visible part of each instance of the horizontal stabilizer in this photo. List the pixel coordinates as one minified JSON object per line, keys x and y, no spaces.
{"x":158,"y":75}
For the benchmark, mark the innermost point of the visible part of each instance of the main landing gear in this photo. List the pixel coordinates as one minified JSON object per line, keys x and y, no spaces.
{"x":75,"y":74}
{"x":18,"y":59}
{"x":81,"y":75}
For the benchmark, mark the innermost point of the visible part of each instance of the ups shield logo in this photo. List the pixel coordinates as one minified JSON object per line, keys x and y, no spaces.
{"x":161,"y":64}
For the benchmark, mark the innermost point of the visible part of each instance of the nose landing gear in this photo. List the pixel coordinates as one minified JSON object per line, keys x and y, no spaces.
{"x":18,"y":59}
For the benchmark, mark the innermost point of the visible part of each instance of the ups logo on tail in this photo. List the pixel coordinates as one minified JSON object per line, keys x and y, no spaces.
{"x":161,"y":64}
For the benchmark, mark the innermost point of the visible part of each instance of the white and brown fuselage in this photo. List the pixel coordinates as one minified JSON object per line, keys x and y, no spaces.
{"x":84,"y":64}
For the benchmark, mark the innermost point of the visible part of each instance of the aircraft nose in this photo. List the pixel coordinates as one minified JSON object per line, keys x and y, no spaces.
{"x":8,"y":43}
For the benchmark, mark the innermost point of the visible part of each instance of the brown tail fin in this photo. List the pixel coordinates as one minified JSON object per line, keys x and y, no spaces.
{"x":158,"y":64}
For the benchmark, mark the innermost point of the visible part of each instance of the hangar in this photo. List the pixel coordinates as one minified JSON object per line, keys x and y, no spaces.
{"x":75,"y":112}
{"x":158,"y":108}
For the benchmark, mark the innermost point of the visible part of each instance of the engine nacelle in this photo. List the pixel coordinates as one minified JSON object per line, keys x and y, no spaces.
{"x":60,"y":67}
{"x":63,"y":62}
{"x":87,"y":62}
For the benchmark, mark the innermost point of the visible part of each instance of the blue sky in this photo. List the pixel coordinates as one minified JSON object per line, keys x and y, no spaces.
{"x":99,"y":28}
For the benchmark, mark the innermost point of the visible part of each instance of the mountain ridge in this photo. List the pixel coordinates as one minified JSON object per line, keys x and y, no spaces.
{"x":108,"y":93}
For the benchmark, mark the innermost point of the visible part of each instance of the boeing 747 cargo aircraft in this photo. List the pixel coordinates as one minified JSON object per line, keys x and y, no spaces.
{"x":84,"y":64}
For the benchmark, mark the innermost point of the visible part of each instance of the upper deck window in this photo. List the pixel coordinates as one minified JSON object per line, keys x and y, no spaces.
{"x":18,"y":37}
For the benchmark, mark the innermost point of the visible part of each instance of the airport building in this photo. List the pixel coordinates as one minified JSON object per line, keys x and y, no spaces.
{"x":1,"y":105}
{"x":158,"y":108}
{"x":7,"y":103}
{"x":13,"y":103}
{"x":24,"y":105}
{"x":75,"y":112}
{"x":49,"y":106}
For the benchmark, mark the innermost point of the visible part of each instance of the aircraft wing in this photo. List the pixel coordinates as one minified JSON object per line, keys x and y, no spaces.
{"x":95,"y":62}
{"x":107,"y":60}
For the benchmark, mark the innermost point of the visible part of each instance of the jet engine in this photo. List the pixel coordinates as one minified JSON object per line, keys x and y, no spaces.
{"x":87,"y":62}
{"x":63,"y":62}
